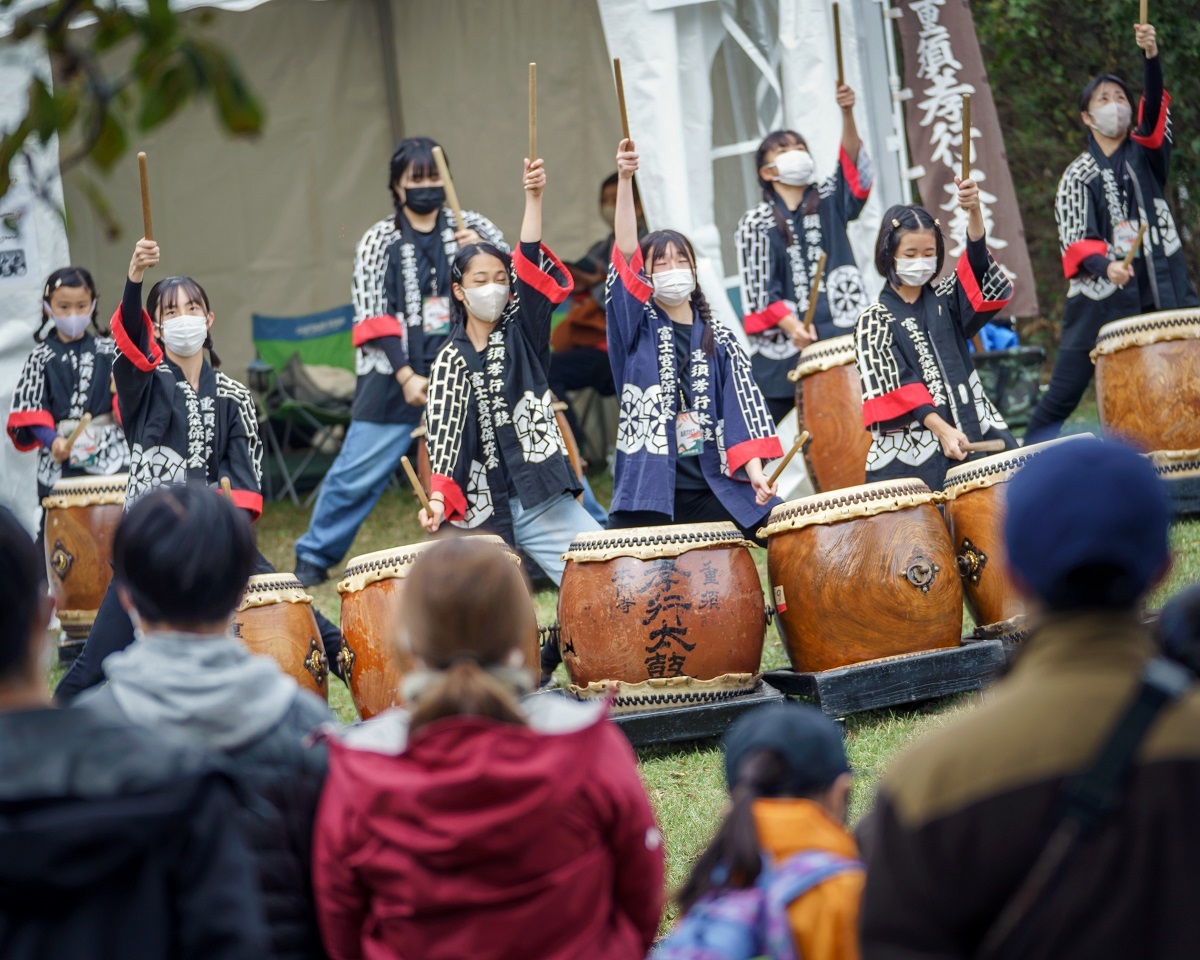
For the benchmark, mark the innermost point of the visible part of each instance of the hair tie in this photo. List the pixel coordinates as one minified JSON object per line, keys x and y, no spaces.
{"x":463,"y":656}
{"x":895,"y":223}
{"x":937,"y":222}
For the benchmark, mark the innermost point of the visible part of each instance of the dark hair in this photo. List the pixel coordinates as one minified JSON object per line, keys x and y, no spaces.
{"x":653,"y":246}
{"x":415,"y":153}
{"x":899,"y":220}
{"x":615,"y":178}
{"x":1085,"y":98}
{"x":812,"y":198}
{"x":165,"y":293}
{"x":733,"y":858}
{"x":23,"y":574}
{"x":458,"y":269}
{"x":184,"y":553}
{"x":468,"y":607}
{"x":1098,"y":586}
{"x":1178,"y":628}
{"x":68,"y":277}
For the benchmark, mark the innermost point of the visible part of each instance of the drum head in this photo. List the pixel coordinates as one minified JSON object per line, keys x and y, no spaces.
{"x":87,"y":492}
{"x":998,"y":468}
{"x":1141,"y":331}
{"x":849,"y":503}
{"x":267,"y":588}
{"x":391,"y":564}
{"x":651,"y":543}
{"x":824,"y":355}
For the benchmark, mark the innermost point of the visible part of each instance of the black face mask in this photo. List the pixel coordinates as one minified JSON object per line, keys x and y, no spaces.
{"x":423,"y":200}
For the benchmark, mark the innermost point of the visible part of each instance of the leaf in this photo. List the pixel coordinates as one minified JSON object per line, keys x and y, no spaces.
{"x":172,"y":88}
{"x":111,"y":143}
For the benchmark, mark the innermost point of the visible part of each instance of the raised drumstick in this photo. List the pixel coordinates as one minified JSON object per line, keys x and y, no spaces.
{"x":984,"y":446}
{"x":796,"y":448}
{"x":439,"y":159}
{"x":966,"y":136}
{"x":532,"y":112}
{"x":837,"y":41}
{"x":621,"y":97}
{"x":79,"y":428}
{"x":144,"y":177}
{"x":1144,"y":13}
{"x":814,"y":293}
{"x":416,"y":485}
{"x":1137,"y":243}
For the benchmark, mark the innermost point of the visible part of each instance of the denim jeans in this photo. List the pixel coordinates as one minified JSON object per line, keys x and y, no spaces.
{"x":546,"y":531}
{"x":370,"y":454}
{"x":592,"y":505}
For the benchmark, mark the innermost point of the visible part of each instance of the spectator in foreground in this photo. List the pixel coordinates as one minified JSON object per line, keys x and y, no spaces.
{"x":478,"y":825}
{"x":962,"y":816}
{"x":116,"y":842}
{"x":187,"y":677}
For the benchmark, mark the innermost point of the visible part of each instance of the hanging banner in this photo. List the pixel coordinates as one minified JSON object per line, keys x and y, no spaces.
{"x":942,"y":61}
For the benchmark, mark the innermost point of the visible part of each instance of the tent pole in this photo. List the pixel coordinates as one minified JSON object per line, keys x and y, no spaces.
{"x":391,"y":78}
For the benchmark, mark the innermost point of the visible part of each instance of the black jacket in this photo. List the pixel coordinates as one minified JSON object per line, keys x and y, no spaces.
{"x":114,"y":843}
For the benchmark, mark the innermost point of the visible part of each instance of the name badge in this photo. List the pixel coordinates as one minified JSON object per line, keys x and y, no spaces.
{"x":435,"y":316}
{"x":1124,"y":235}
{"x":689,"y":435}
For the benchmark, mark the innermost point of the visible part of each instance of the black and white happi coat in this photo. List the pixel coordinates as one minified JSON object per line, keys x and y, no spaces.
{"x":177,"y":434}
{"x":1095,"y":195}
{"x":490,"y":420}
{"x":379,"y":335}
{"x":59,"y":383}
{"x":776,"y":275}
{"x":913,"y":360}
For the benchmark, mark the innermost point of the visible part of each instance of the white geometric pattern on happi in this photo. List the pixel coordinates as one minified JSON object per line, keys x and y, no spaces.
{"x":536,"y":428}
{"x":643,"y":420}
{"x":846,"y":294}
{"x":152,"y":467}
{"x":231,"y":389}
{"x":759,"y":421}
{"x":1071,"y":212}
{"x":910,"y":447}
{"x":446,"y":416}
{"x":1168,"y":236}
{"x":480,"y":506}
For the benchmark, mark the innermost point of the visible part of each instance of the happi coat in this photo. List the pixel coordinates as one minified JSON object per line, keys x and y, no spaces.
{"x":491,"y":428}
{"x":728,"y":404}
{"x":914,"y":360}
{"x":59,"y":383}
{"x":177,"y":434}
{"x":776,"y":272}
{"x":1095,"y":196}
{"x":388,"y":338}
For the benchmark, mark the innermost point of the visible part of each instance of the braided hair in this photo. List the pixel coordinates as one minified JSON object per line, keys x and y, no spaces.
{"x":812,"y":198}
{"x":658,"y":243}
{"x":68,"y":277}
{"x":166,"y":293}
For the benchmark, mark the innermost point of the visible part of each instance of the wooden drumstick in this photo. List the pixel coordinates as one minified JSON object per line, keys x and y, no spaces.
{"x":837,"y":41}
{"x":1137,"y":243}
{"x":416,"y":485}
{"x":1144,"y":13}
{"x":79,"y":428}
{"x":439,"y":159}
{"x":227,"y":487}
{"x":984,"y":446}
{"x":621,"y":97}
{"x":532,"y":112}
{"x":144,"y":176}
{"x":966,"y":136}
{"x":814,"y":293}
{"x":796,"y":448}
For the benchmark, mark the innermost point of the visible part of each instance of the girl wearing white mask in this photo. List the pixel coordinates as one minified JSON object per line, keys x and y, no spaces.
{"x":780,"y":242}
{"x":1105,"y":195}
{"x":498,"y":460}
{"x":922,"y":399}
{"x":695,"y":429}
{"x":69,"y":374}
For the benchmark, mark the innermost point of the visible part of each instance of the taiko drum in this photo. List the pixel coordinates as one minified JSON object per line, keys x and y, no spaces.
{"x":665,"y":615}
{"x":372,"y":591}
{"x":275,"y":619}
{"x":1148,"y":379}
{"x":829,"y":397}
{"x":863,"y":573}
{"x":81,"y":517}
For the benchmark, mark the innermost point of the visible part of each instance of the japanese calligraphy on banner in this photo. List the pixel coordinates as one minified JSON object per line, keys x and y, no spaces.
{"x":942,"y":61}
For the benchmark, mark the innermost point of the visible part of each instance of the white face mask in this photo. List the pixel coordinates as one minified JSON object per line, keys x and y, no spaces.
{"x":70,"y":326}
{"x":185,"y":335}
{"x":917,"y":271}
{"x":1112,"y":119}
{"x":672,"y":287}
{"x":795,"y":167}
{"x":487,"y":303}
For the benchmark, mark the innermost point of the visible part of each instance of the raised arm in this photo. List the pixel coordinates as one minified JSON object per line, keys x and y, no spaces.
{"x":535,"y":184}
{"x":625,"y":222}
{"x":850,"y":138}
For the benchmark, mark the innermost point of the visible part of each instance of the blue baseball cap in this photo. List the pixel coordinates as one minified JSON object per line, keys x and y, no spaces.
{"x":1087,"y":505}
{"x":807,"y":741}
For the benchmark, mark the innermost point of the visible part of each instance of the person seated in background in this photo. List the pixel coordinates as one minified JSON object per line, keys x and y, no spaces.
{"x":187,"y":677}
{"x":963,"y":816}
{"x":117,"y":842}
{"x":783,"y":846}
{"x":476,"y":824}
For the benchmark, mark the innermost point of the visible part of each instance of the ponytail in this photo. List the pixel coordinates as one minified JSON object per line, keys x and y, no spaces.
{"x":708,"y":339}
{"x":464,"y":689}
{"x":213,"y":360}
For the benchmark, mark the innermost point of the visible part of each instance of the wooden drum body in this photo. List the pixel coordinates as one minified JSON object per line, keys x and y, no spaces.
{"x":829,"y":397}
{"x":1148,"y":379}
{"x":372,"y":659}
{"x":275,"y":619}
{"x":81,"y":517}
{"x":863,"y":573}
{"x":666,"y":615}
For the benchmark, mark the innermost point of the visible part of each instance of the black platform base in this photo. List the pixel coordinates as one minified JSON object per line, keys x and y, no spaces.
{"x":895,"y":680}
{"x":697,"y":722}
{"x":1184,"y":493}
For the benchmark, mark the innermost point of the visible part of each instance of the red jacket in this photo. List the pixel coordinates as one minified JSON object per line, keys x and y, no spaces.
{"x":487,"y":840}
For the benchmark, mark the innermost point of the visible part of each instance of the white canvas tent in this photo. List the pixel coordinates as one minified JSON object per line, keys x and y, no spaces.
{"x":270,"y":225}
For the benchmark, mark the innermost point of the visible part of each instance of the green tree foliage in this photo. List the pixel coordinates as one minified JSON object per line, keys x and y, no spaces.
{"x":1039,"y":55}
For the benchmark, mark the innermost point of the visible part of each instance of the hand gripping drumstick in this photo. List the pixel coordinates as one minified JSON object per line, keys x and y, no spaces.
{"x":79,"y":428}
{"x":439,"y":159}
{"x":144,"y":177}
{"x":1137,"y":243}
{"x":984,"y":446}
{"x":814,"y":293}
{"x":796,"y":448}
{"x":416,"y":485}
{"x":837,"y":40}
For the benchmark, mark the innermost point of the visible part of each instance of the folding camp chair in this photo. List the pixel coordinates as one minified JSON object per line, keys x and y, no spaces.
{"x":286,"y":347}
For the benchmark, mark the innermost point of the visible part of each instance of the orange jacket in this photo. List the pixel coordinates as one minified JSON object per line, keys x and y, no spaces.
{"x":824,"y":920}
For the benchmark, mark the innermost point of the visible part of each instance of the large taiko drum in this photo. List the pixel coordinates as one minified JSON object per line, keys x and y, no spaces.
{"x":1148,"y":379}
{"x":863,"y":573}
{"x":661,"y":616}
{"x":275,"y":619}
{"x":975,"y":515}
{"x":372,"y":591}
{"x":829,"y":397}
{"x":81,"y":518}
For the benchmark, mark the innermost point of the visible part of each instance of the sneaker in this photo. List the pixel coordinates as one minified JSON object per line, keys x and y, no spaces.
{"x":309,"y":574}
